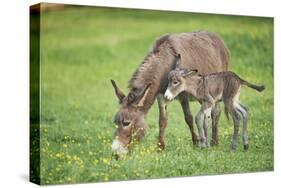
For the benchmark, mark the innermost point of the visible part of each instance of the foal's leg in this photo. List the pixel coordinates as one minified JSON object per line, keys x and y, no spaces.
{"x":236,"y":120}
{"x":162,"y":120}
{"x":207,"y":117}
{"x":183,"y":98}
{"x":244,"y":112}
{"x":216,"y":112}
{"x":200,"y":121}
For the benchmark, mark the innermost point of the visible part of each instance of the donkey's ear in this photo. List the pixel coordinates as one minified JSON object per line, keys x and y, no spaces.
{"x":178,"y":61}
{"x":189,"y":73}
{"x":143,"y":95}
{"x":118,"y":92}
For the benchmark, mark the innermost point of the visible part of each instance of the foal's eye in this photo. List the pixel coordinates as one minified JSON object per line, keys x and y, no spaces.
{"x":126,"y":123}
{"x":175,"y":82}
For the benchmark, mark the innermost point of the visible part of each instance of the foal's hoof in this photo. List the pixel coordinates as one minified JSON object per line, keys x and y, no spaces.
{"x":202,"y":145}
{"x":233,"y":146}
{"x":246,"y":147}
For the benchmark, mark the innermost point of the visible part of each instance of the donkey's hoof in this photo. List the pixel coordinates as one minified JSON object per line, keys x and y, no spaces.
{"x":195,"y":141}
{"x":214,"y":143}
{"x":246,"y":147}
{"x":161,"y":146}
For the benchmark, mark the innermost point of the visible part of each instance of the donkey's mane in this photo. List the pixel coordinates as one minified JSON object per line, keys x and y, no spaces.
{"x":147,"y":70}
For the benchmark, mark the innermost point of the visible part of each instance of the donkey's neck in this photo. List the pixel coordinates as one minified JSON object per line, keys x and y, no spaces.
{"x":154,"y":70}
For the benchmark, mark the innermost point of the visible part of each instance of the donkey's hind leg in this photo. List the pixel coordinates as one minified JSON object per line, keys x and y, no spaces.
{"x":244,"y":112}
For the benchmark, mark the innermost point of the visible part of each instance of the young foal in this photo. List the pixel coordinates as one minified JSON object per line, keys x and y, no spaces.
{"x":210,"y":90}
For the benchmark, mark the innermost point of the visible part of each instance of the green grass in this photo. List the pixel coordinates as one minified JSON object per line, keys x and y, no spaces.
{"x":83,"y":48}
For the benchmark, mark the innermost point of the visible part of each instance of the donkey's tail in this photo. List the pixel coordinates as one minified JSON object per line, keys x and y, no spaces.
{"x":259,"y":88}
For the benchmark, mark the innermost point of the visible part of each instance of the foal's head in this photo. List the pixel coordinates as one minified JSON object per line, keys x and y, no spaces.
{"x":177,"y":81}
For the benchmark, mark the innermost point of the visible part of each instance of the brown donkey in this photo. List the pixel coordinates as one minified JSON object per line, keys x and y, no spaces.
{"x":201,"y":50}
{"x":209,"y":90}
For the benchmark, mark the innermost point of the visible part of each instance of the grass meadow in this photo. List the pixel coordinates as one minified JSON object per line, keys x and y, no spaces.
{"x":82,"y":48}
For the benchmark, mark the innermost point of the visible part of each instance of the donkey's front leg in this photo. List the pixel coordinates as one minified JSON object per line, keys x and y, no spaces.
{"x":183,"y":98}
{"x":162,"y":120}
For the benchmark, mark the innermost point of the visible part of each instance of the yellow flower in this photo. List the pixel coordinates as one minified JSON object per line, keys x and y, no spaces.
{"x":59,"y":155}
{"x":95,"y":174}
{"x":106,"y":161}
{"x":75,"y":158}
{"x":95,"y":162}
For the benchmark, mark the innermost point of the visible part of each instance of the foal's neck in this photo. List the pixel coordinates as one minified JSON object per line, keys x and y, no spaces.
{"x":195,"y":86}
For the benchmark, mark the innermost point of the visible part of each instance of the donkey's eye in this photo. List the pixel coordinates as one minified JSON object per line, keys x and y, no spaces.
{"x":175,"y":82}
{"x":126,"y":123}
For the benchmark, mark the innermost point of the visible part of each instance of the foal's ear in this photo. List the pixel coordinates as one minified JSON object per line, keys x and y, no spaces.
{"x":120,"y":95}
{"x":189,"y":73}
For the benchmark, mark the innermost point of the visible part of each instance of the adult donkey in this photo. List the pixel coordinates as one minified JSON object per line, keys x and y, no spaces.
{"x":201,"y":50}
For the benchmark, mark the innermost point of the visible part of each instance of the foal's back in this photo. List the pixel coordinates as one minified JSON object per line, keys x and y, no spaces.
{"x":222,"y":84}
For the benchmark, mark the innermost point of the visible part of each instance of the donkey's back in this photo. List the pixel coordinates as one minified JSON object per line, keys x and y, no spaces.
{"x":202,"y":50}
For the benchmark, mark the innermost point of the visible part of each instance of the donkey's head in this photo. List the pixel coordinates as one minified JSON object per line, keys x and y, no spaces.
{"x":177,"y":80}
{"x":129,"y":119}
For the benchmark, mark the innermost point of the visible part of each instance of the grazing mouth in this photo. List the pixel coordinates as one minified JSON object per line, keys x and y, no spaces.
{"x":118,"y":149}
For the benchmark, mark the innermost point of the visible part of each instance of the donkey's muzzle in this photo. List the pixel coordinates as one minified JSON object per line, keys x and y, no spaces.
{"x":116,"y":156}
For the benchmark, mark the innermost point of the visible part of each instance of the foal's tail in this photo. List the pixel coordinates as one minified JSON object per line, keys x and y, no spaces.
{"x":259,"y":88}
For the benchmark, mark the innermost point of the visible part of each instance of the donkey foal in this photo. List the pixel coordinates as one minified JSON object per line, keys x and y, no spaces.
{"x":209,"y":90}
